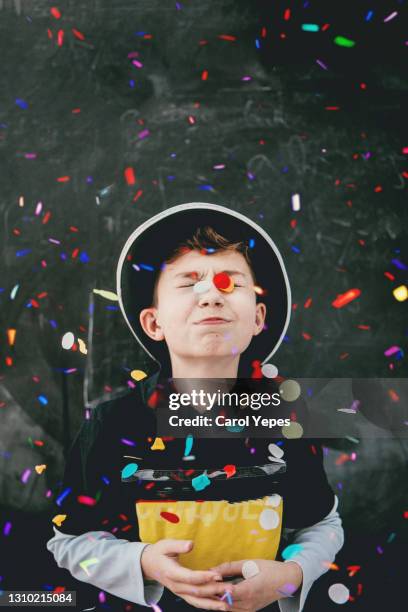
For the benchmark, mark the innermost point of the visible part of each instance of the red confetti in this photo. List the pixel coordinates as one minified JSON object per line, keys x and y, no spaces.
{"x":229,"y":469}
{"x":256,"y":369}
{"x":204,"y":75}
{"x":55,"y":12}
{"x":86,"y":500}
{"x":286,"y":15}
{"x":344,"y":298}
{"x":78,"y":34}
{"x":60,"y":37}
{"x":130,"y":176}
{"x":169,"y":516}
{"x":227,"y":37}
{"x":223,"y":282}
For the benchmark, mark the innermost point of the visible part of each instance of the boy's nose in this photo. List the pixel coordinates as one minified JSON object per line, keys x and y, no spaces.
{"x":212,"y":297}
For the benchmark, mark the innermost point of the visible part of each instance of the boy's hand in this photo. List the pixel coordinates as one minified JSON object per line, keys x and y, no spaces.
{"x":199,"y":588}
{"x":274,"y":581}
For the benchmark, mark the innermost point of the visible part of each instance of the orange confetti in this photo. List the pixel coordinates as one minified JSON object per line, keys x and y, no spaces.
{"x":11,"y":336}
{"x":344,"y":298}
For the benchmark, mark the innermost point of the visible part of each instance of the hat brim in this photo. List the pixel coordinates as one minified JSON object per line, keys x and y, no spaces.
{"x":152,"y":242}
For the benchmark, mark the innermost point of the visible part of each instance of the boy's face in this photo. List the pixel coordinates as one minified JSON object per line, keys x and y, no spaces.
{"x":213,"y":323}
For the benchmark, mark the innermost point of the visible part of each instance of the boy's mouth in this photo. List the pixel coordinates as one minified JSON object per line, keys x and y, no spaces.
{"x":212,"y":321}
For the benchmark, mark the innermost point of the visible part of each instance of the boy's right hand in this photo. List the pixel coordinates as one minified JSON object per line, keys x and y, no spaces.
{"x":199,"y":588}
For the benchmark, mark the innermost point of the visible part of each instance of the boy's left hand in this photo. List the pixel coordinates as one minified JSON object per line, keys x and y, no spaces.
{"x":275,"y":578}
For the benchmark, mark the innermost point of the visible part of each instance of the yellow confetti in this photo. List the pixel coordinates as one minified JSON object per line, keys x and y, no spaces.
{"x":82,"y":347}
{"x":87,"y":562}
{"x":108,"y":295}
{"x":138,"y":374}
{"x":40,"y":468}
{"x":158,"y":444}
{"x":59,"y":519}
{"x":400,"y":293}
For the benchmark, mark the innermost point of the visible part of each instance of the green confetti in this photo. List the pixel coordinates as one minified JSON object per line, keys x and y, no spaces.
{"x":344,"y":42}
{"x":87,"y":562}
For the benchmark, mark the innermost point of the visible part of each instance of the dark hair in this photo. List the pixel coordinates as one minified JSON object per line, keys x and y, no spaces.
{"x":207,"y":241}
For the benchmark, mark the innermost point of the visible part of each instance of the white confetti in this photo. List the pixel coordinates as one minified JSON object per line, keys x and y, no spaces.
{"x":68,"y":340}
{"x":275,"y":450}
{"x":269,"y":519}
{"x":339,"y":593}
{"x":269,"y":370}
{"x":202,"y":286}
{"x":249,"y":569}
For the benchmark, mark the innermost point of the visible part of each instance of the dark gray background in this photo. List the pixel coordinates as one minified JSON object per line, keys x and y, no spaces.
{"x":85,"y":105}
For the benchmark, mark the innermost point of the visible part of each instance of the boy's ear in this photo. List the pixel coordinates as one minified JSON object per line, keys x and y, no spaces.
{"x":150,"y":324}
{"x":259,"y":318}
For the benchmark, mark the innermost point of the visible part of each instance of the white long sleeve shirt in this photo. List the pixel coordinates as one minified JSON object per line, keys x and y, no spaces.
{"x":114,"y":564}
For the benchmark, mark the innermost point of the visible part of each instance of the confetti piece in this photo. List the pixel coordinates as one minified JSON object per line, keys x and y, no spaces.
{"x":129,"y":470}
{"x":339,"y":593}
{"x":82,"y":347}
{"x":400,"y":293}
{"x":291,"y":550}
{"x":128,"y":442}
{"x":130,"y":176}
{"x":202,"y":286}
{"x":292,"y":431}
{"x":63,"y":495}
{"x":344,"y":42}
{"x":249,"y":569}
{"x":200,"y":482}
{"x":393,"y":350}
{"x":275,"y":450}
{"x":310,"y":27}
{"x":138,"y":375}
{"x":269,"y":519}
{"x":344,"y":298}
{"x":188,"y":445}
{"x":289,"y":390}
{"x":229,"y":469}
{"x":68,"y":340}
{"x":40,"y":468}
{"x":170,"y":517}
{"x":108,"y":295}
{"x":87,"y":562}
{"x":25,"y":475}
{"x":273,"y":500}
{"x":223,"y":282}
{"x":11,"y":336}
{"x":59,"y":519}
{"x":391,"y":16}
{"x":158,"y":444}
{"x":295,"y":202}
{"x":269,"y":370}
{"x":86,"y":500}
{"x":7,"y":528}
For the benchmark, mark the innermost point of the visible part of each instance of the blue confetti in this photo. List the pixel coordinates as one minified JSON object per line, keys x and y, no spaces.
{"x":43,"y":400}
{"x":63,"y":495}
{"x":146,"y":267}
{"x":129,"y":470}
{"x":189,"y":445}
{"x":252,"y":243}
{"x":21,"y":103}
{"x":291,"y":550}
{"x":200,"y":482}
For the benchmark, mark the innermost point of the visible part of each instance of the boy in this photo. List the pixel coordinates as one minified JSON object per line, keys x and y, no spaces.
{"x":205,"y":292}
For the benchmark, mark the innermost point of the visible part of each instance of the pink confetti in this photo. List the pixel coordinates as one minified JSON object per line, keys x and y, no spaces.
{"x":26,"y":475}
{"x":391,"y":16}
